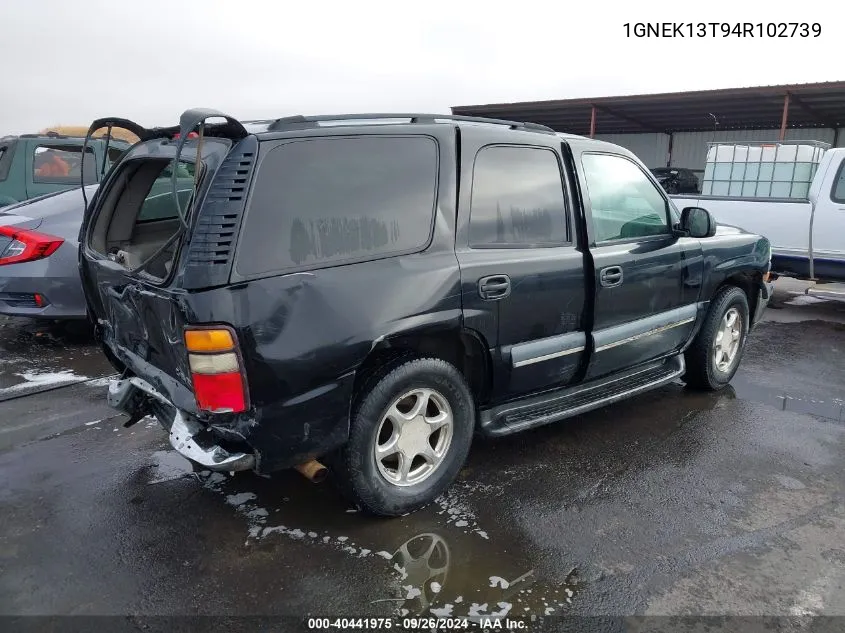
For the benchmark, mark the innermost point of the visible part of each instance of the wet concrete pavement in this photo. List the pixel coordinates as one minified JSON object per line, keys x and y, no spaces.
{"x":674,"y":503}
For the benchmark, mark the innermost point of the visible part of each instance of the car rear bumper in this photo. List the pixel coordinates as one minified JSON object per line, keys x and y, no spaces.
{"x":186,"y":435}
{"x":263,"y":441}
{"x":61,"y":288}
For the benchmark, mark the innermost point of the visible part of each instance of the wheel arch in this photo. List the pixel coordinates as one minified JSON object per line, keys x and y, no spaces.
{"x":466,"y":349}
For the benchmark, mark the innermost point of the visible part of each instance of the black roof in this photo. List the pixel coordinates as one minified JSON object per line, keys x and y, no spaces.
{"x":811,"y":106}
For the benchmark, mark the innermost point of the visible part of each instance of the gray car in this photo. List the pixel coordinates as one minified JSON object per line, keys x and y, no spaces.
{"x":39,"y":269}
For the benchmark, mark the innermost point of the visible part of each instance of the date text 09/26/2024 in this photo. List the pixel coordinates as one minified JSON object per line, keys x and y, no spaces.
{"x":722,"y":29}
{"x":418,"y":624}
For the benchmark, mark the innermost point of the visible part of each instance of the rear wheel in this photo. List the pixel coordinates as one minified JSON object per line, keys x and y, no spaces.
{"x":715,"y":354}
{"x":410,"y":434}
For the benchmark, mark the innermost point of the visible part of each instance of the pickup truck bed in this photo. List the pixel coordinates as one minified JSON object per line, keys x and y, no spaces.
{"x":807,"y":236}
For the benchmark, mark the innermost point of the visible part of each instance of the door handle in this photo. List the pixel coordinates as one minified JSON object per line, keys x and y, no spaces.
{"x":494,"y":287}
{"x":611,"y":276}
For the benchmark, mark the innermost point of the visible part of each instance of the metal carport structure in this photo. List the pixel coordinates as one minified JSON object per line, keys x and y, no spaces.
{"x":783,"y":110}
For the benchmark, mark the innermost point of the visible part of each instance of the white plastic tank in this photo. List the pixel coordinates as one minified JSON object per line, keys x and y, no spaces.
{"x":762,"y":170}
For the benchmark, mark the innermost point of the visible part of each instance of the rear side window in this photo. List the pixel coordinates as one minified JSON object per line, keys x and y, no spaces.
{"x":335,"y":200}
{"x":517,"y":198}
{"x":62,"y":164}
{"x":838,"y":193}
{"x":4,"y":164}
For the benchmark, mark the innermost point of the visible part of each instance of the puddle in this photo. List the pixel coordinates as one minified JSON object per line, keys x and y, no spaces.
{"x":441,"y":561}
{"x":167,"y":466}
{"x":830,"y":408}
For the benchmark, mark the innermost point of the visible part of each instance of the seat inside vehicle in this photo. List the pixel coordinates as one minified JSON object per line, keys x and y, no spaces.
{"x":140,"y":216}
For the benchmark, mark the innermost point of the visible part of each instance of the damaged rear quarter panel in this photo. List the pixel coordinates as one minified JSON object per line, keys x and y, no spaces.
{"x":303,"y":336}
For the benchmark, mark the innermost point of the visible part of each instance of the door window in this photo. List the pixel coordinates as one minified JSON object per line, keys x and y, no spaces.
{"x":63,"y":164}
{"x":625,"y":204}
{"x":517,"y":198}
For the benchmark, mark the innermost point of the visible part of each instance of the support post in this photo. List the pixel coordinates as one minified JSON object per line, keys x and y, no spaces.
{"x":835,"y":137}
{"x":784,"y":117}
{"x":669,"y":153}
{"x":593,"y":122}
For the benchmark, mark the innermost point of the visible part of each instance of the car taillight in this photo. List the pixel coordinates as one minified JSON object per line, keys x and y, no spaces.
{"x":216,"y":372}
{"x":26,"y":246}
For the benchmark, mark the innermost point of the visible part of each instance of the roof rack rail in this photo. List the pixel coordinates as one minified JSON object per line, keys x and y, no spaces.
{"x":298,"y":122}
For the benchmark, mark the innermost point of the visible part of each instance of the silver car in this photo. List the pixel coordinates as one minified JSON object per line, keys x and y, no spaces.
{"x":39,"y":269}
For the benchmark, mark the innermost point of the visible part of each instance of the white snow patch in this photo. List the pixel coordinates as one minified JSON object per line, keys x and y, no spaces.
{"x":100,"y":382}
{"x":498,"y":581}
{"x":476,"y":609}
{"x":443,"y":612}
{"x":413,"y":592}
{"x":44,"y":379}
{"x":240,"y":498}
{"x":457,"y":511}
{"x":385,"y":555}
{"x":435,"y":587}
{"x":805,"y":300}
{"x":93,"y":423}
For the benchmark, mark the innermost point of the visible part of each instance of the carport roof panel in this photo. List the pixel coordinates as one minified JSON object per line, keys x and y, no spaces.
{"x":811,"y":105}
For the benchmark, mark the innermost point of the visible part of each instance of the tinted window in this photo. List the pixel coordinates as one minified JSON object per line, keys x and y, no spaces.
{"x":63,"y":164}
{"x":159,"y":203}
{"x":339,"y":199}
{"x":115,"y":153}
{"x":838,"y":193}
{"x":517,"y":198}
{"x":624,"y":202}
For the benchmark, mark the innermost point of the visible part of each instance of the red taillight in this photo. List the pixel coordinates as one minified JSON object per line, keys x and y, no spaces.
{"x":27,"y":246}
{"x":220,"y":392}
{"x":216,"y":371}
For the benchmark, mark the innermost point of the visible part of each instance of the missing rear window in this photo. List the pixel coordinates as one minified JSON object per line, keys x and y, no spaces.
{"x":140,"y":218}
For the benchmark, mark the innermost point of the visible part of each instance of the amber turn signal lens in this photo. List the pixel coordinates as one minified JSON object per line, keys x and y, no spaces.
{"x":209,"y":340}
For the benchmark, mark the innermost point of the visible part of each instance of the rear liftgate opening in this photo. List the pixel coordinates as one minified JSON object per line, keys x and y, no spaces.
{"x":144,"y":212}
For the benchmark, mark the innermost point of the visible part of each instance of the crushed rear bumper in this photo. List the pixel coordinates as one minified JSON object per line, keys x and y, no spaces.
{"x":186,"y":435}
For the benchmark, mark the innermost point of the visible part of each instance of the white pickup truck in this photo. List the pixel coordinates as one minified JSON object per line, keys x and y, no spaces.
{"x":807,"y":234}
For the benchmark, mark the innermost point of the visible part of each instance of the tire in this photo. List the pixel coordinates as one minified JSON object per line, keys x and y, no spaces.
{"x":377,"y":485}
{"x":703,"y":371}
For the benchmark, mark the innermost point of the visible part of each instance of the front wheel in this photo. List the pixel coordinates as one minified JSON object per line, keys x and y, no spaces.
{"x":714,"y":356}
{"x":410,"y":433}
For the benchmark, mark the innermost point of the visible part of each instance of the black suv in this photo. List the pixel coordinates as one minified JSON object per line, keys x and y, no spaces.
{"x":676,"y":180}
{"x":371,"y":290}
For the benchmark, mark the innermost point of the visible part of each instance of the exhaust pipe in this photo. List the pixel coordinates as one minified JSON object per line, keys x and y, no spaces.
{"x":313,"y":471}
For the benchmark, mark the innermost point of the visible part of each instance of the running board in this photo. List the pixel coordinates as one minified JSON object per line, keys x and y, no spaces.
{"x":565,"y":403}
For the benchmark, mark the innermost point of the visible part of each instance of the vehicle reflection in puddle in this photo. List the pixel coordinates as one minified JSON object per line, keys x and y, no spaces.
{"x":438,"y":561}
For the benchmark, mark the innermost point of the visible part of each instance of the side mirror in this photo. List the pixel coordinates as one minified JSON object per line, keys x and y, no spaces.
{"x":697,"y":222}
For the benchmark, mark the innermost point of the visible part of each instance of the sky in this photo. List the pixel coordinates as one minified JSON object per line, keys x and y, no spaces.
{"x":67,"y":62}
